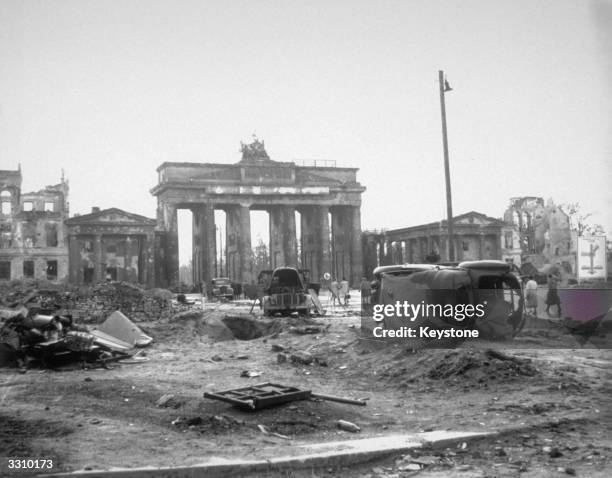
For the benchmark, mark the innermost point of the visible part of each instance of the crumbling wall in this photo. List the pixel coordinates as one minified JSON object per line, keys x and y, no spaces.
{"x":91,"y":304}
{"x":94,"y":304}
{"x":543,"y":228}
{"x":32,"y":234}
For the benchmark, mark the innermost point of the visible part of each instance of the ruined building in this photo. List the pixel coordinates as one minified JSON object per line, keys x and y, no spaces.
{"x":328,"y":200}
{"x":476,"y":236}
{"x":543,"y":230}
{"x":32,"y":231}
{"x":111,"y":245}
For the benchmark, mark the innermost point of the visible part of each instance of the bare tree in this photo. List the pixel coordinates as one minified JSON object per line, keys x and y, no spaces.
{"x":579,"y":220}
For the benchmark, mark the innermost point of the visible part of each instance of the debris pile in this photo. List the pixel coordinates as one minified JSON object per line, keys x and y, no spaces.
{"x":95,"y":303}
{"x":28,"y":336}
{"x":196,"y":325}
{"x":480,"y":365}
{"x":90,"y":304}
{"x":464,"y":366}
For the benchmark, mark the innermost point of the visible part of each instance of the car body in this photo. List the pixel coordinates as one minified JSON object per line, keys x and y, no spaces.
{"x":395,"y":270}
{"x":285,"y":292}
{"x":493,"y":284}
{"x":221,"y":288}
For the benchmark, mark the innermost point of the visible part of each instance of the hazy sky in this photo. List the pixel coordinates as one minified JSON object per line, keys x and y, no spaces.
{"x":108,"y":90}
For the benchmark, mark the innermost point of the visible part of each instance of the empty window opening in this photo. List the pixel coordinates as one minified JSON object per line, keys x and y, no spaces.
{"x":5,"y":270}
{"x":51,"y":235}
{"x":88,"y":275}
{"x":28,"y":269}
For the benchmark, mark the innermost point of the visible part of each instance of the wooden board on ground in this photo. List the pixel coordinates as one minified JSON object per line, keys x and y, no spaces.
{"x":317,"y":303}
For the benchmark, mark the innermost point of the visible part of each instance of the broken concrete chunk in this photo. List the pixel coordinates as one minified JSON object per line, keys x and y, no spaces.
{"x":277,"y":348}
{"x":347,"y":426}
{"x":250,"y":373}
{"x":301,"y":357}
{"x":281,"y":358}
{"x":167,"y":400}
{"x":216,"y":358}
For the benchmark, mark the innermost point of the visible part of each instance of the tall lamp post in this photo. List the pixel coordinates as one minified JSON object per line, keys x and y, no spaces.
{"x":444,"y":87}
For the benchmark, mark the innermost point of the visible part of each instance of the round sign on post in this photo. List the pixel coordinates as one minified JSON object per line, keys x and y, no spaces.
{"x":327,"y":276}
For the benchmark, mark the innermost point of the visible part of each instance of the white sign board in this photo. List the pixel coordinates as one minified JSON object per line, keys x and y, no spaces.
{"x":591,"y":257}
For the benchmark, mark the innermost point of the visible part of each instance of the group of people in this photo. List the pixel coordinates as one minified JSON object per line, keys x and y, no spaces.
{"x":552,"y":296}
{"x":340,"y":292}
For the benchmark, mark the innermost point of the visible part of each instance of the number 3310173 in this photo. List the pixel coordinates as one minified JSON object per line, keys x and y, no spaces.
{"x":29,"y":464}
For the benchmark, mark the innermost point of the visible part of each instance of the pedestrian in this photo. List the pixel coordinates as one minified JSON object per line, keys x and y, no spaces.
{"x":334,"y":288}
{"x":344,"y":291}
{"x":552,"y":297}
{"x":366,"y":290}
{"x":531,"y":291}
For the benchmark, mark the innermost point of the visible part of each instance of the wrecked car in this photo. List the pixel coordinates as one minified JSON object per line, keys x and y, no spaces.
{"x":221,"y":288}
{"x":285,"y":293}
{"x":489,"y":285}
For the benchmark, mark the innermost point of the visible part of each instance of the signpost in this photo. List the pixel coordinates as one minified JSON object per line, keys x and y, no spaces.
{"x":591,"y":260}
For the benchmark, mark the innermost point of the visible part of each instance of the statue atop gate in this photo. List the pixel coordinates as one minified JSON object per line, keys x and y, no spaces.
{"x":253,"y":152}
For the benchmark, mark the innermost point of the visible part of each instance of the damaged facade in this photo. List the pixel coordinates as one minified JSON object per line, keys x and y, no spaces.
{"x":544,"y":231}
{"x":32,"y":230}
{"x":111,"y":245}
{"x":328,"y":200}
{"x":477,"y":236}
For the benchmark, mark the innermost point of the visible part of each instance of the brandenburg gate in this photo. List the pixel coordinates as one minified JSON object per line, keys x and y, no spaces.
{"x":327,"y":198}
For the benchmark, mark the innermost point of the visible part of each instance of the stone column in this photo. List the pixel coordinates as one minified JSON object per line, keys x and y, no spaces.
{"x":172,"y":247}
{"x":283,"y":242}
{"x":244,"y":245}
{"x":458,"y":248}
{"x":324,"y":256}
{"x":74,"y":260}
{"x":97,"y":247}
{"x":381,"y":251}
{"x":356,"y":251}
{"x":204,"y":243}
{"x":148,"y":247}
{"x":289,"y":236}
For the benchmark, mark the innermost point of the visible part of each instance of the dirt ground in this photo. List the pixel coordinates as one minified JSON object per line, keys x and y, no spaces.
{"x":559,"y":400}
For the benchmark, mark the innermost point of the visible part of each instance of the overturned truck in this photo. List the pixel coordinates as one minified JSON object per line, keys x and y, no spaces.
{"x":483,"y":295}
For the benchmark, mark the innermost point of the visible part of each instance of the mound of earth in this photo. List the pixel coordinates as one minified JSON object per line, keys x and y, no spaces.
{"x":479,"y":364}
{"x":194,"y":324}
{"x":214,"y":325}
{"x":467,"y":366}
